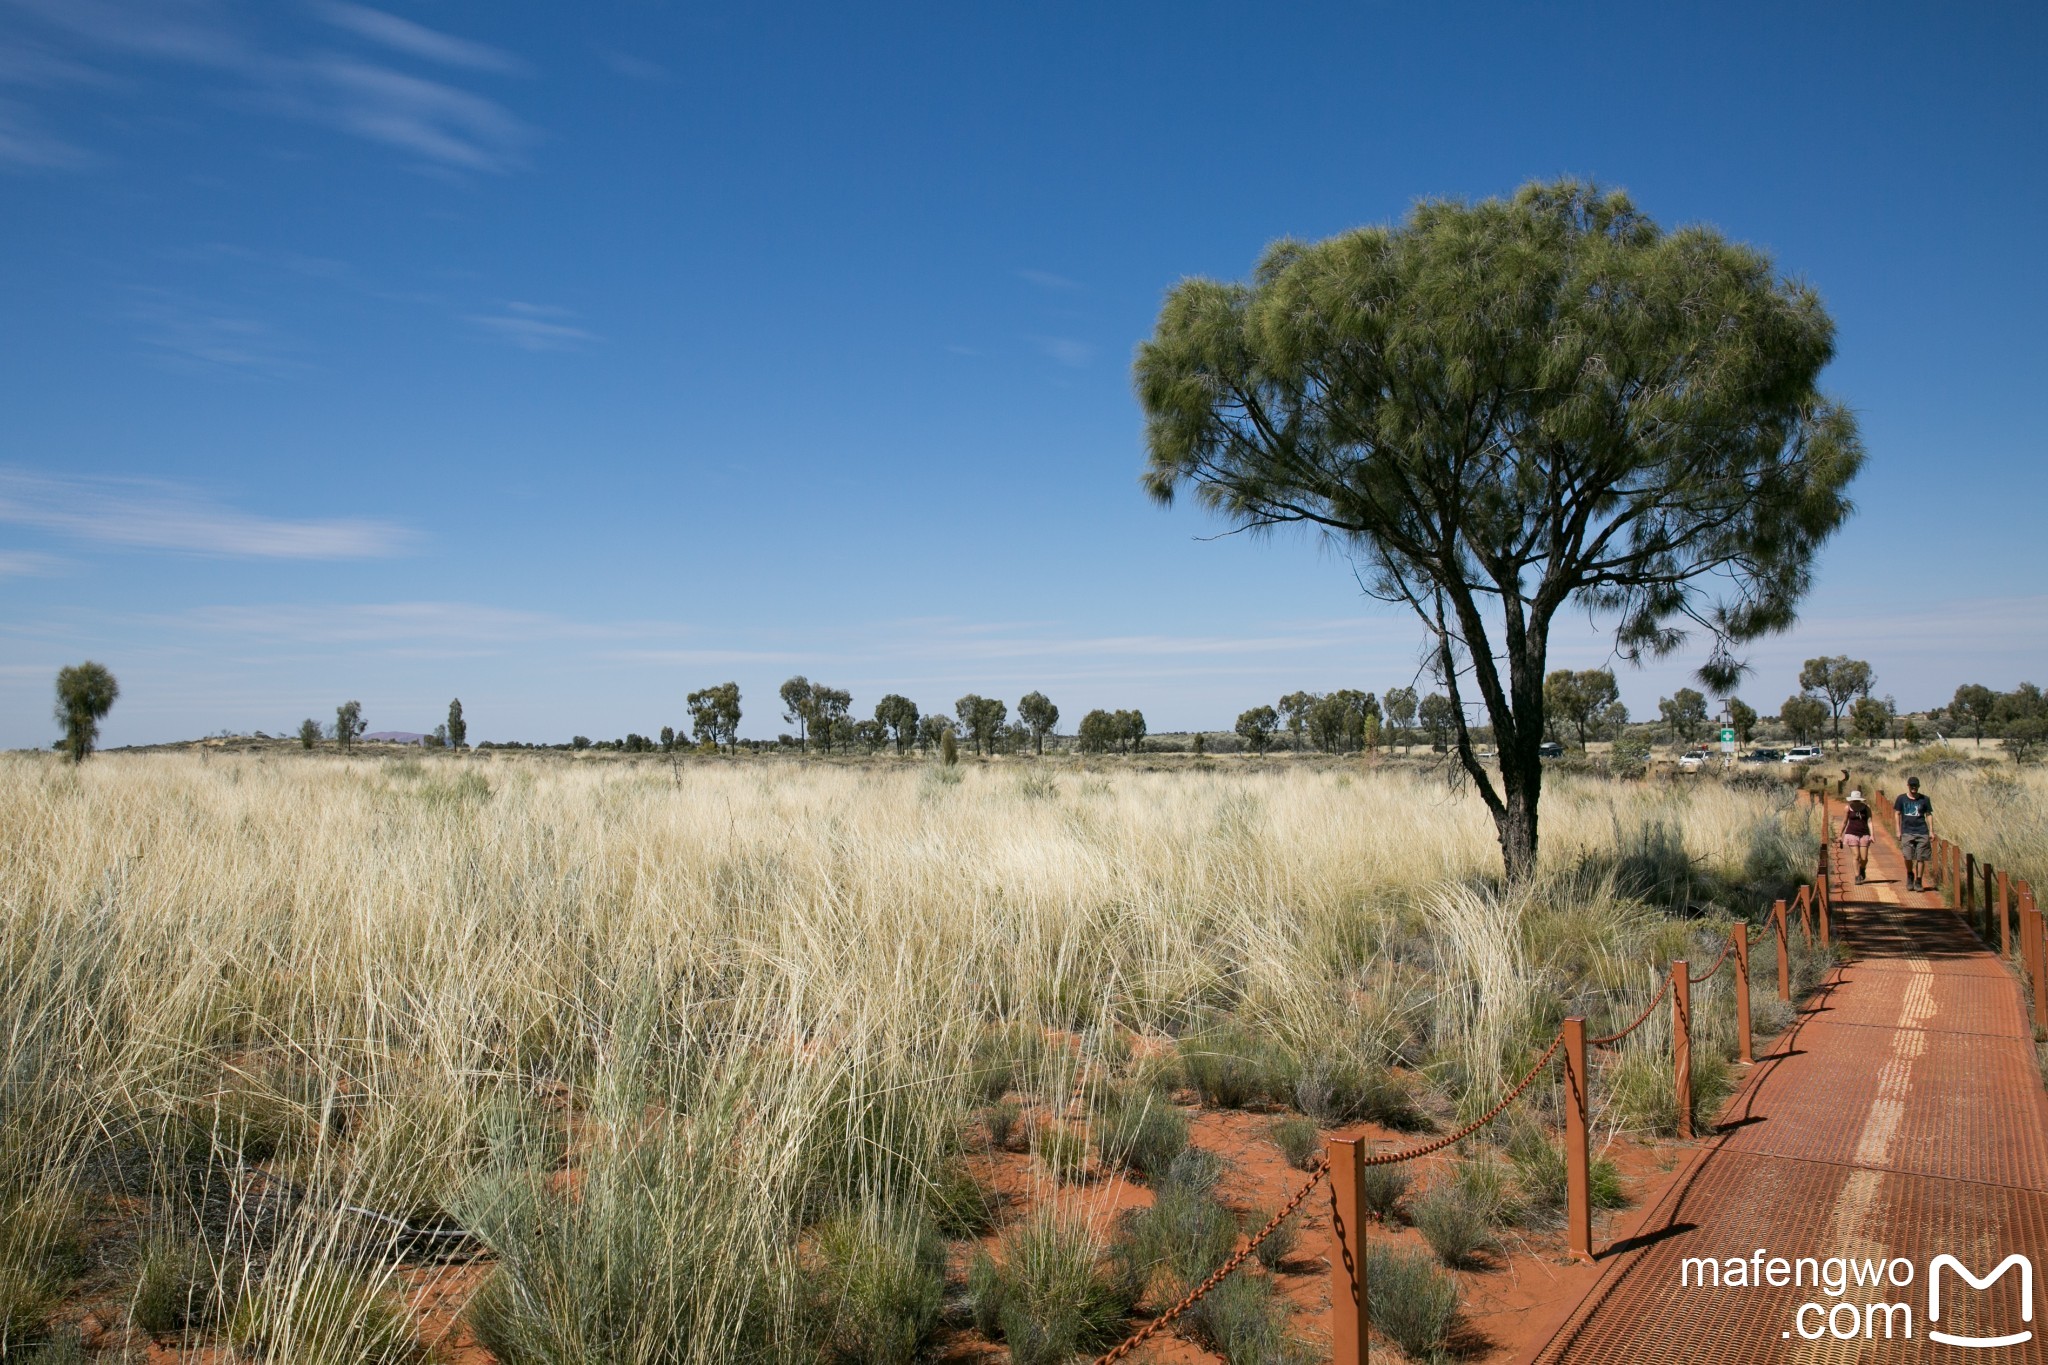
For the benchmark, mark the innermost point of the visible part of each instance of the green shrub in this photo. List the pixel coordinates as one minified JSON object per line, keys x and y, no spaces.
{"x":1197,"y":1169}
{"x":883,"y":1281}
{"x":175,"y":1284}
{"x":39,"y":1255}
{"x":65,"y":1346}
{"x":1002,"y":1054}
{"x":961,"y":1204}
{"x":1541,"y":1177}
{"x":1382,"y":1188}
{"x":1768,"y":1015}
{"x":1643,"y":1091}
{"x":1001,"y":1120}
{"x":1411,"y":1302}
{"x":1487,"y":1187}
{"x":1140,"y":1130}
{"x":1052,"y":1294}
{"x":1299,"y":1140}
{"x":1280,"y":1243}
{"x":985,"y":1294}
{"x":1457,"y":1229}
{"x":1640,"y":1091}
{"x":319,"y":1313}
{"x":1241,"y":1321}
{"x":1233,"y":1067}
{"x":1062,"y":1151}
{"x":1342,"y":1089}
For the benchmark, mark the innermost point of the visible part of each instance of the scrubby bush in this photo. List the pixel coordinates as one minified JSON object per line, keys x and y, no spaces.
{"x":38,"y":1256}
{"x":1280,"y":1242}
{"x":1052,"y":1293}
{"x":882,"y":1282}
{"x":1340,"y":1088}
{"x":1383,"y":1188}
{"x":1063,"y":1152}
{"x":1002,"y":1119}
{"x":1412,"y":1302}
{"x":960,"y":1202}
{"x":1542,"y":1178}
{"x":175,"y":1283}
{"x":1457,"y":1227}
{"x":1241,"y":1321}
{"x":1234,"y":1067}
{"x":1139,"y":1129}
{"x":322,"y":1313}
{"x":1299,"y":1140}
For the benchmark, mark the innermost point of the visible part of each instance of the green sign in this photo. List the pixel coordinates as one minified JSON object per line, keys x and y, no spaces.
{"x":1727,"y":735}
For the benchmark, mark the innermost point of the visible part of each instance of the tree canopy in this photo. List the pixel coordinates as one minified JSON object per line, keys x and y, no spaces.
{"x":897,"y":715}
{"x":715,"y":713}
{"x":349,"y":723}
{"x":1039,"y":715}
{"x":1509,"y":407}
{"x":85,"y":693}
{"x":1837,"y":681}
{"x":1588,"y":700}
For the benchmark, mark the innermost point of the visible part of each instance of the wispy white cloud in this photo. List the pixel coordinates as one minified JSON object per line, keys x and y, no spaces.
{"x":417,"y":40}
{"x":1066,"y":350}
{"x":25,"y":144}
{"x":195,"y":32}
{"x":142,"y":514}
{"x":628,"y":65}
{"x":534,"y":327}
{"x":437,"y":121}
{"x":27,"y":564}
{"x":1045,"y":279}
{"x":447,"y":126}
{"x":192,"y":334}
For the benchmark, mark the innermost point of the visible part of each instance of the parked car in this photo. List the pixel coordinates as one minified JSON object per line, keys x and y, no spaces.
{"x":1550,"y":748}
{"x":1763,"y":756}
{"x":1692,"y":760}
{"x":1804,"y":753}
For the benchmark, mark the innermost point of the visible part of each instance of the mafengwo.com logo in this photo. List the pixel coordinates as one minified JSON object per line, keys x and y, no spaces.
{"x":1874,"y":1299}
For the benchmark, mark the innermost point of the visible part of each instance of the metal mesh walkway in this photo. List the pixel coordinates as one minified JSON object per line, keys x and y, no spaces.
{"x":1901,"y":1119}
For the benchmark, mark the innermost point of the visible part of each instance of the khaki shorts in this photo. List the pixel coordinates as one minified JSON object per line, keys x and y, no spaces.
{"x":1916,"y":848}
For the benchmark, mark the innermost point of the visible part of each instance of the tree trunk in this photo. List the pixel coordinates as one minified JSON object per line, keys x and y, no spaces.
{"x":1516,"y":821}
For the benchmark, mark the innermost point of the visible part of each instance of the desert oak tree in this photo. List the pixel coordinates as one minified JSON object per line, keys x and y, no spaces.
{"x":85,"y":693}
{"x":1510,"y":407}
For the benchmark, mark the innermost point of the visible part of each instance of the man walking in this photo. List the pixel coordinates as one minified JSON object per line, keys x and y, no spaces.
{"x":1916,"y":835}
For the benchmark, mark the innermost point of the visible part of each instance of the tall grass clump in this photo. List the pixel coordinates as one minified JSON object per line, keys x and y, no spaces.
{"x":697,"y":1050}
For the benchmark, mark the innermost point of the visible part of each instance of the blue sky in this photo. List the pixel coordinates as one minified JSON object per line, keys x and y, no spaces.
{"x":568,"y":358}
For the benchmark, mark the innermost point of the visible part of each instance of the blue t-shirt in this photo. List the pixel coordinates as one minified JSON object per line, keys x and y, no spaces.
{"x":1913,"y":812}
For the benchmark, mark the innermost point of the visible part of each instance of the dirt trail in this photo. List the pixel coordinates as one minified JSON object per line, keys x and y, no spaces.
{"x":1902,"y":1118}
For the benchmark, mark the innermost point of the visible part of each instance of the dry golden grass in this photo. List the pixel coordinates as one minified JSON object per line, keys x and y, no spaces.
{"x":267,"y":993}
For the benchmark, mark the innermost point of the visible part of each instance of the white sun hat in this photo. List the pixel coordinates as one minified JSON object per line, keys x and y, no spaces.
{"x":1856,"y":796}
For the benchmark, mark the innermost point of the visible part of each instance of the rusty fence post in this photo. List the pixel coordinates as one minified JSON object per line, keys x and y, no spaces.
{"x":1742,"y":1038}
{"x":1784,"y":955}
{"x":1681,"y":1043}
{"x":1578,"y":1187}
{"x":1984,"y":901}
{"x":2034,"y":952}
{"x":2004,"y":918}
{"x":1349,"y":1320}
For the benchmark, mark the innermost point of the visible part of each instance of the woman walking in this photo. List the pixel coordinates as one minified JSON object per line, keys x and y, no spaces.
{"x":1856,"y":833}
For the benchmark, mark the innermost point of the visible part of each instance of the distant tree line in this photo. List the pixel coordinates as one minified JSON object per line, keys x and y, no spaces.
{"x":2019,"y":717}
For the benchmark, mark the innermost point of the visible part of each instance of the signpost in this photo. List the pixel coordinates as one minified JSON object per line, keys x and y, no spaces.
{"x":1727,"y":745}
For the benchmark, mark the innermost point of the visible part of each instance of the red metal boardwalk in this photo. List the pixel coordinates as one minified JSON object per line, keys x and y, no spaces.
{"x":1900,"y":1120}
